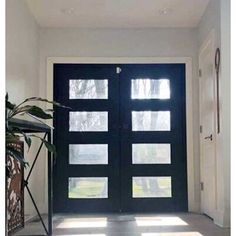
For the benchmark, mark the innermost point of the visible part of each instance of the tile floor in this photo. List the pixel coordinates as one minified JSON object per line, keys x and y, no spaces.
{"x":185,"y":224}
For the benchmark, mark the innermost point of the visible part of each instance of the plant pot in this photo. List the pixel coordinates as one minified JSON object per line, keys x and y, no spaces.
{"x":15,"y":191}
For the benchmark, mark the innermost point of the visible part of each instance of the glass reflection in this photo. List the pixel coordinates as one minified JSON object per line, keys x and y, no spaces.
{"x":150,"y":120}
{"x":88,"y":187}
{"x":150,"y":89}
{"x":88,"y":154}
{"x":88,"y":121}
{"x":144,"y":153}
{"x":149,"y":187}
{"x":88,"y":89}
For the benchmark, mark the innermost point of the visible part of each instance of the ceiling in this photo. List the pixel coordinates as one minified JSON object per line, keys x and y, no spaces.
{"x":117,"y":13}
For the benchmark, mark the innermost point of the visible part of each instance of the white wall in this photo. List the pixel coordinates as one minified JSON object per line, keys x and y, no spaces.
{"x":127,"y":43}
{"x":22,"y":78}
{"x":224,"y":139}
{"x":216,"y":17}
{"x":22,"y":50}
{"x":25,"y":43}
{"x":28,"y":49}
{"x":210,"y":19}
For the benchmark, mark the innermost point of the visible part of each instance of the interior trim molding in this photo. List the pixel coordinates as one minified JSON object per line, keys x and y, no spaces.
{"x":193,"y":204}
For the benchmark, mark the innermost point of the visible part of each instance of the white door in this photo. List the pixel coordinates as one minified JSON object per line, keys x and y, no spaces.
{"x":208,"y":126}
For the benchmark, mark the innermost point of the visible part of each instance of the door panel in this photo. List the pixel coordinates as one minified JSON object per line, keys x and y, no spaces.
{"x":208,"y":123}
{"x":153,"y":112}
{"x":87,"y":138}
{"x":122,"y":145}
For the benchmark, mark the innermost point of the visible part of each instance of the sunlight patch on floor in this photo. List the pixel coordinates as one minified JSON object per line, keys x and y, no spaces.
{"x":173,"y":234}
{"x":159,"y":221}
{"x":83,"y":223}
{"x":80,"y":234}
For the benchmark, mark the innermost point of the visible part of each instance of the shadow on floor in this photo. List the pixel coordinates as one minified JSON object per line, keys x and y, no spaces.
{"x":129,"y":225}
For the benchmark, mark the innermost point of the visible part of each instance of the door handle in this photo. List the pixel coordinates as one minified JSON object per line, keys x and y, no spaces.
{"x":209,"y":137}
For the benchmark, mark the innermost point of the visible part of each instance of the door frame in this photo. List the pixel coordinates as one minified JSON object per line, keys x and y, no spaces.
{"x":209,"y":39}
{"x":192,"y":182}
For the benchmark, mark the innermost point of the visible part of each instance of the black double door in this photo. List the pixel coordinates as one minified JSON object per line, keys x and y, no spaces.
{"x":122,"y":145}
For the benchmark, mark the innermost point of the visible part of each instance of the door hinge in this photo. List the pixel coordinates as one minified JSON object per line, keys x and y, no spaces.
{"x":202,"y":186}
{"x":200,"y":73}
{"x":200,"y":129}
{"x":118,"y":70}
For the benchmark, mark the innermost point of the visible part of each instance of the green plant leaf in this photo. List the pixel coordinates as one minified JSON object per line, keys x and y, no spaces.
{"x":35,"y":112}
{"x":19,"y":110}
{"x":49,"y":110}
{"x":17,"y":155}
{"x":49,"y":146}
{"x":26,"y":137}
{"x":38,"y":112}
{"x":10,"y":138}
{"x":27,"y":140}
{"x":30,"y":109}
{"x":40,"y":121}
{"x":9,"y":105}
{"x":23,"y":109}
{"x":45,"y":100}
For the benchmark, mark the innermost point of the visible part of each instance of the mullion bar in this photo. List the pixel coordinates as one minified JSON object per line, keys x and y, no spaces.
{"x":154,"y":105}
{"x":88,"y":105}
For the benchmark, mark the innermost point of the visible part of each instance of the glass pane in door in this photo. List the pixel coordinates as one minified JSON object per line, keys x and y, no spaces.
{"x":144,"y":153}
{"x":150,"y":88}
{"x":151,"y":120}
{"x":85,"y":121}
{"x":149,"y":187}
{"x":88,"y":89}
{"x":88,"y":187}
{"x":88,"y":154}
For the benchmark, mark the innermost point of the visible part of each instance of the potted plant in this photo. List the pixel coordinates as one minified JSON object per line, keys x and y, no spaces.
{"x":15,"y":162}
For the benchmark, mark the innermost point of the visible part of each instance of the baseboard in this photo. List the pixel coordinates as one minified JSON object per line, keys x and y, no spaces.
{"x":222,"y":219}
{"x":29,"y":218}
{"x":32,"y":214}
{"x":195,"y":208}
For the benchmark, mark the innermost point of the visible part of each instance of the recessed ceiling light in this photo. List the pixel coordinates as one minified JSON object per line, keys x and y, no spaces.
{"x":165,"y":11}
{"x":67,"y":11}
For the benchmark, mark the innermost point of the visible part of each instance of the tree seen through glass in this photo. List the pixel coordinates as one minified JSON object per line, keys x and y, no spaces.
{"x":141,"y":88}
